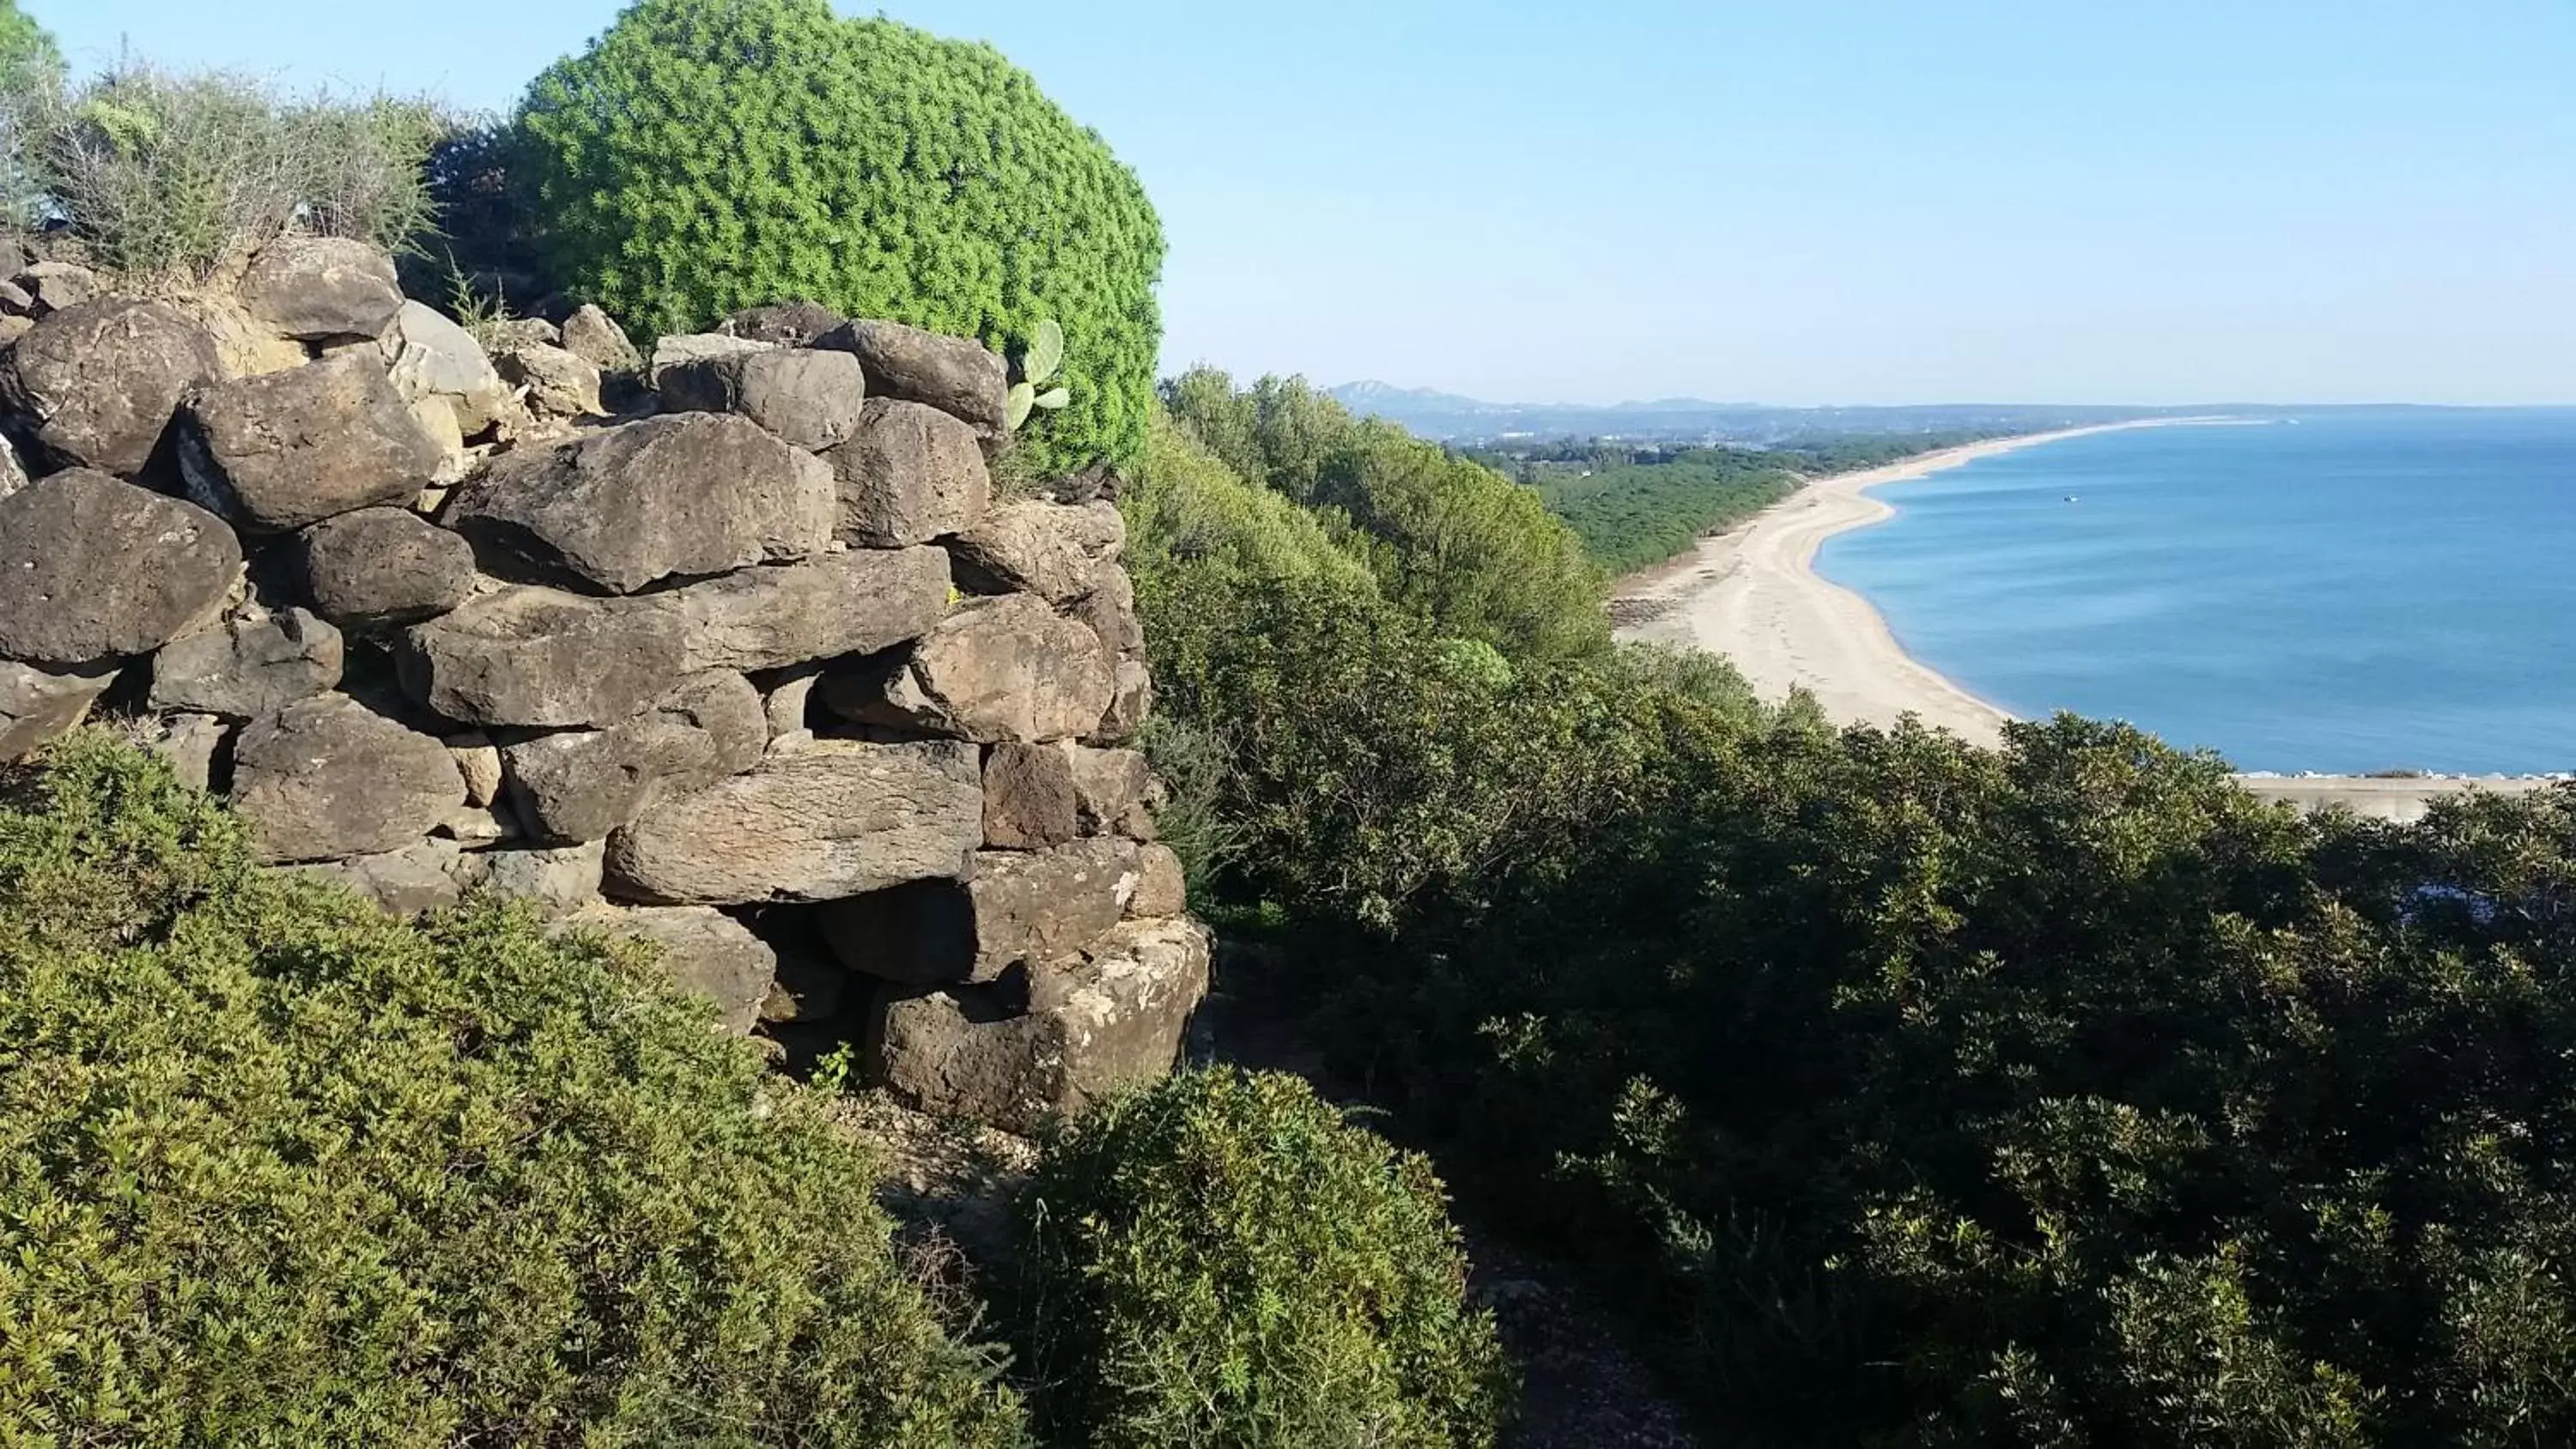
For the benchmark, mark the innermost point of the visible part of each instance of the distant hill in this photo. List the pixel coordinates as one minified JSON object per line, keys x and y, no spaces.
{"x":1448,"y":417}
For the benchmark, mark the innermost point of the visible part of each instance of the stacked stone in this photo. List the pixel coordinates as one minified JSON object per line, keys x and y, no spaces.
{"x":755,"y":668}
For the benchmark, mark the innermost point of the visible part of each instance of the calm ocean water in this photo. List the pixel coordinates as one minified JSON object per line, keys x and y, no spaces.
{"x":2354,"y":592}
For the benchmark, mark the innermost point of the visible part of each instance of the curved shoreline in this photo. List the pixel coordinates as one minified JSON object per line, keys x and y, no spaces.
{"x":1753,"y":595}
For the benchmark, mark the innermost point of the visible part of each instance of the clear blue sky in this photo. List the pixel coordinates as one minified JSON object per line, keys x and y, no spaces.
{"x":1796,"y":201}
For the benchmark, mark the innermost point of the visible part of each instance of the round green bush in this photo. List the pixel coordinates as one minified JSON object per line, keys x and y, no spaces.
{"x":709,"y":155}
{"x":1221,"y":1260}
{"x":278,"y":1170}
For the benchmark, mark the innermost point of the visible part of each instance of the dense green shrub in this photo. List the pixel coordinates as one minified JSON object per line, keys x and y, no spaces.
{"x":171,"y":177}
{"x":275,"y":1169}
{"x":1475,"y":555}
{"x":708,"y":155}
{"x":29,"y":57}
{"x":1220,"y":1260}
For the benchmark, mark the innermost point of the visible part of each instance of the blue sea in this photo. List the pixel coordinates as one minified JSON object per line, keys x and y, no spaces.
{"x":2352,"y":591}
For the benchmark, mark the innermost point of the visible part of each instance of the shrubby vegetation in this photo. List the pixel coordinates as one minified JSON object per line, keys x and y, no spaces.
{"x":2061,"y":1094}
{"x":1222,"y":1261}
{"x":167,"y":178}
{"x":708,"y":155}
{"x":1473,"y":555}
{"x":275,"y":1169}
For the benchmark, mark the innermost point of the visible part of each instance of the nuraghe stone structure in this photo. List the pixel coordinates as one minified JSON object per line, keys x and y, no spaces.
{"x":731,"y":647}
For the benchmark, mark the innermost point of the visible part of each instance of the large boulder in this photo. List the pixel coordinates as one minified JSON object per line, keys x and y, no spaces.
{"x":1053,"y":550}
{"x":706,"y":952}
{"x":686,"y":347}
{"x":782,"y":324}
{"x":557,"y":882}
{"x":316,"y":288}
{"x":559,"y":382}
{"x":1130,"y":704}
{"x":994,"y":670}
{"x":671,"y":497}
{"x":1014,"y":908}
{"x":383,"y":566}
{"x":583,"y":784}
{"x":1116,"y":1018}
{"x":37,"y":707}
{"x":407,"y":881}
{"x":278,"y":452}
{"x":1036,"y":796}
{"x":1110,"y":610}
{"x":51,"y":286}
{"x":910,"y":474}
{"x":434,"y":358}
{"x":247,"y":665}
{"x":543,"y":659}
{"x":813,"y":400}
{"x":963,"y":379}
{"x":593,"y":336}
{"x":834,"y":819}
{"x":328,"y":778}
{"x":92,"y":569}
{"x":94,"y":386}
{"x":859,"y":602}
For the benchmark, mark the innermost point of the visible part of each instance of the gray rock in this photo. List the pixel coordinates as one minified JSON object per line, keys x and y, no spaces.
{"x":859,"y":602}
{"x":415,"y":879}
{"x":960,"y":378}
{"x":37,"y":708}
{"x":190,"y":743}
{"x":17,"y":301}
{"x":812,"y":400}
{"x":808,"y":988}
{"x":1110,"y":609}
{"x":832,"y":820}
{"x":92,"y":569}
{"x":378,"y":567}
{"x":1029,"y":800}
{"x":328,"y":778}
{"x":543,"y":659}
{"x":95,"y":385}
{"x":1014,"y":908}
{"x":54,"y":286}
{"x":583,"y":784}
{"x":671,"y":497}
{"x":280,"y":451}
{"x":12,"y":328}
{"x":560,"y":383}
{"x":782,"y":324}
{"x":1115,"y":792}
{"x":786,"y":701}
{"x":593,"y":336}
{"x":314,"y":288}
{"x":432,"y":357}
{"x":1116,"y":1019}
{"x":13,"y":474}
{"x":479,"y":761}
{"x":1162,"y":886}
{"x":669,"y":352}
{"x":706,"y":952}
{"x":994,"y":670}
{"x":247,"y":665}
{"x":476,"y":826}
{"x":1053,"y":550}
{"x":557,"y":882}
{"x":1130,"y":705}
{"x":911,"y":474}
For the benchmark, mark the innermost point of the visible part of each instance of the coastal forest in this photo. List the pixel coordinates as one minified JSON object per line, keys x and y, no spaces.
{"x":1897,"y":1091}
{"x":1637,"y":507}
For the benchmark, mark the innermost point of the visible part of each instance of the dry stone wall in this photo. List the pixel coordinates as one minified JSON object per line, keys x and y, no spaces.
{"x":756,"y":666}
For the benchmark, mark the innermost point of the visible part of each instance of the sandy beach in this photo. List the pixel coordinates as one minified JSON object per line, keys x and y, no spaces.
{"x":1753,"y":594}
